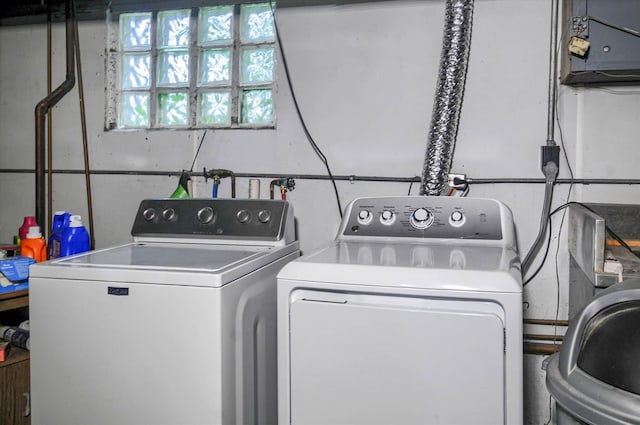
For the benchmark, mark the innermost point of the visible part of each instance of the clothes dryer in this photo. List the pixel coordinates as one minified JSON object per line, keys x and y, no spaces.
{"x":413,"y":315}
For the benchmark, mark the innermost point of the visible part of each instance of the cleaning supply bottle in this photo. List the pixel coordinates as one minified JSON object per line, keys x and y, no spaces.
{"x":75,"y":238}
{"x":34,"y":245}
{"x":24,"y":229}
{"x":60,"y":222}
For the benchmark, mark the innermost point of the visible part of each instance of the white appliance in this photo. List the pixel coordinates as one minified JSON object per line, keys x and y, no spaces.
{"x":413,"y":315}
{"x":177,"y":327}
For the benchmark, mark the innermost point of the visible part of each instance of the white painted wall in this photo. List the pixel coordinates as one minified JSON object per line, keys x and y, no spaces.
{"x":364,"y":77}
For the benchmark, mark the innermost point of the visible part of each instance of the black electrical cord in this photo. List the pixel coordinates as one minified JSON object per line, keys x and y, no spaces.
{"x":198,"y":151}
{"x":307,"y":133}
{"x":613,"y":234}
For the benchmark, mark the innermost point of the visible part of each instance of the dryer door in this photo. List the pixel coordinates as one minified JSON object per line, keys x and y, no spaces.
{"x":365,"y":359}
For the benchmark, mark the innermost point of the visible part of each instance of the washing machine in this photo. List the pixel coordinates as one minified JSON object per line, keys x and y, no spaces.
{"x":412,"y":315}
{"x":176,"y":327}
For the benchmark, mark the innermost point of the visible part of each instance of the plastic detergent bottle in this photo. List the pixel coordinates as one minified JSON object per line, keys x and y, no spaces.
{"x":75,"y":238}
{"x":34,"y":245}
{"x":60,"y":222}
{"x":24,"y":229}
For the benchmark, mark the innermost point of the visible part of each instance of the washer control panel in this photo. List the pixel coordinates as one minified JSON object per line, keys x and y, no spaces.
{"x":211,"y":218}
{"x":424,"y":217}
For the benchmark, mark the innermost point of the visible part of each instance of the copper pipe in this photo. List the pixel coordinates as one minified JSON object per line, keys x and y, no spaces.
{"x":85,"y":144}
{"x":546,"y":322}
{"x":538,"y":337}
{"x":272,"y":187}
{"x":537,"y":348}
{"x":41,"y":110}
{"x":45,"y":230}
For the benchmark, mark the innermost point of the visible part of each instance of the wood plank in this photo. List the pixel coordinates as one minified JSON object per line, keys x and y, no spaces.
{"x":11,"y":303}
{"x":16,"y":355}
{"x":631,"y":243}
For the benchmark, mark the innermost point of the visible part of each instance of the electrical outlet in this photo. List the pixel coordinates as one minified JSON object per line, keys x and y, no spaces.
{"x":457,"y":181}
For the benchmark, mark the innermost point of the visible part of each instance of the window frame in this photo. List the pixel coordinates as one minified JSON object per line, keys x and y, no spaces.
{"x":113,"y":75}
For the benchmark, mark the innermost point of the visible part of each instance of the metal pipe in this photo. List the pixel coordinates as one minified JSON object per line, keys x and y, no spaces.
{"x":540,"y":337}
{"x":548,"y":322}
{"x":537,"y":348}
{"x":350,"y":178}
{"x":85,"y":144}
{"x":220,"y":173}
{"x":45,"y":229}
{"x":553,"y":68}
{"x":43,"y":107}
{"x":456,"y":44}
{"x":272,"y":185}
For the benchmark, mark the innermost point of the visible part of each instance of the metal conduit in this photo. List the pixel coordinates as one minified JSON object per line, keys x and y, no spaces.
{"x":41,"y":110}
{"x":353,"y":178}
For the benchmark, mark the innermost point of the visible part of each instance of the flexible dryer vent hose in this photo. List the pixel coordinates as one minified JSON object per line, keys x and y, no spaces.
{"x":456,"y":43}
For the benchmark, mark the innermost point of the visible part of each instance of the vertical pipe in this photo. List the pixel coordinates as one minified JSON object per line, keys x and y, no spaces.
{"x":553,"y":70}
{"x":85,"y":144}
{"x":456,"y":44}
{"x":43,"y":107}
{"x":47,"y":228}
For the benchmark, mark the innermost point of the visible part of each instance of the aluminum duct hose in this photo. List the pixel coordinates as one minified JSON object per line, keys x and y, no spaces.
{"x":456,"y":43}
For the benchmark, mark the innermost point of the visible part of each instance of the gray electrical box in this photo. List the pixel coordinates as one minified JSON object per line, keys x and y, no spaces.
{"x":600,"y":41}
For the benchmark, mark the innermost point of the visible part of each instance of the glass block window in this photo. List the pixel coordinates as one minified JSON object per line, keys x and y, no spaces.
{"x":197,"y":67}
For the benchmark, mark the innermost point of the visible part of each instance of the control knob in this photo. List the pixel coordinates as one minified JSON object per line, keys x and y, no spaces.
{"x":149,"y":214}
{"x":169,"y":214}
{"x":421,"y":218}
{"x":457,"y":219}
{"x":365,"y":217}
{"x":243,"y":216}
{"x":205,"y":215}
{"x":264,"y":216}
{"x":387,"y":217}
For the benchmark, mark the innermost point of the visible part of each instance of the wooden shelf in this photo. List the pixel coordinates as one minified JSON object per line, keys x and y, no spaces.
{"x":14,"y":300}
{"x":15,"y":371}
{"x":16,"y":355}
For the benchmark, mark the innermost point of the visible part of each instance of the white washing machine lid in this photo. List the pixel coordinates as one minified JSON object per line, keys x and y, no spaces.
{"x":450,"y":266}
{"x":186,"y":264}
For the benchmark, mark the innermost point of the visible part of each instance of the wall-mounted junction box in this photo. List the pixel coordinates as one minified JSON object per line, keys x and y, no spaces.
{"x":600,"y":41}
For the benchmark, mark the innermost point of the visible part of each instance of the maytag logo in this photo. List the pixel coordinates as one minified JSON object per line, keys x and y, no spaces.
{"x":113,"y":290}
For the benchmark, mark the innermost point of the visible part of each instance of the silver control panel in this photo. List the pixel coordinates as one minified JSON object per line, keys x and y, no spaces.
{"x":212,"y":218}
{"x":424,"y":217}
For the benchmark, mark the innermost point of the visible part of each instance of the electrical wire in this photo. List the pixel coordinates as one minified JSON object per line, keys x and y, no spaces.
{"x":307,"y":133}
{"x":608,"y":229}
{"x":198,"y":151}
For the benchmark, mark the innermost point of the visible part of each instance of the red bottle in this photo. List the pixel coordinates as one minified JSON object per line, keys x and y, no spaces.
{"x":29,"y":221}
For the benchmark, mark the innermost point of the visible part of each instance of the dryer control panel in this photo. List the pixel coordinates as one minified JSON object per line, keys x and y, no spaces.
{"x":425,"y":217}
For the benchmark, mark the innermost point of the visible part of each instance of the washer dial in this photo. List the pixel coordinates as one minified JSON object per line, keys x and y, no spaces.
{"x":243,"y":216}
{"x":205,"y":215}
{"x":149,"y":214}
{"x":264,"y":216}
{"x":169,"y":214}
